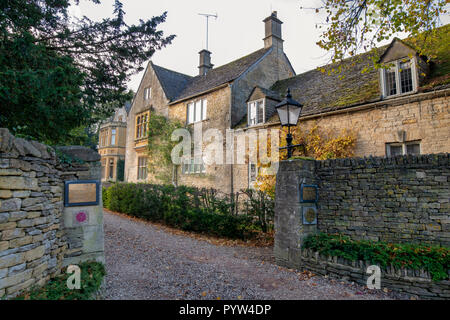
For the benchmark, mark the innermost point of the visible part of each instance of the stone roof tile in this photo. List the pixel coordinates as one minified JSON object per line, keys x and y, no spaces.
{"x":172,"y":82}
{"x":220,"y":75}
{"x":327,"y":91}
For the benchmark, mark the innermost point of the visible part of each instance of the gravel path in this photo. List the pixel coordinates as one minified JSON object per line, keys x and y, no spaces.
{"x":144,"y":261}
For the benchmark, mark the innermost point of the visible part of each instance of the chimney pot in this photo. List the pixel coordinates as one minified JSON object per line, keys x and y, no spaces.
{"x":273,"y":32}
{"x":205,"y":62}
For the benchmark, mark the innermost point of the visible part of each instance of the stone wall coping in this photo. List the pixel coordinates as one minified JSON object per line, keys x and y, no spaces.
{"x":402,"y":160}
{"x":81,"y":153}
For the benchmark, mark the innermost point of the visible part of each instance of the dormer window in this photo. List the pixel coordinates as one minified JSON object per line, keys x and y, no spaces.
{"x":256,"y":112}
{"x":399,"y":78}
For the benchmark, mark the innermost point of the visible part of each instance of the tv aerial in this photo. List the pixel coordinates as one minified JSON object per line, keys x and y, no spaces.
{"x":207,"y":16}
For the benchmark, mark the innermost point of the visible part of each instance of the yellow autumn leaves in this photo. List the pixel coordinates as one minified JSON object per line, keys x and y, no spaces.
{"x":319,"y":144}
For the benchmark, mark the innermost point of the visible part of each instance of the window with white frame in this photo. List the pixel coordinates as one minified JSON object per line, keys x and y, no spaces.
{"x":256,"y":112}
{"x":399,"y":78}
{"x":402,"y":148}
{"x":192,"y":165}
{"x":147,"y":93}
{"x":406,"y":77}
{"x":196,"y":111}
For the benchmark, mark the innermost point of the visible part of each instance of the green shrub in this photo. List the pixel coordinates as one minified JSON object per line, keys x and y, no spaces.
{"x":434,"y":259}
{"x":92,"y":274}
{"x":104,"y":197}
{"x":262,"y":207}
{"x":186,"y":208}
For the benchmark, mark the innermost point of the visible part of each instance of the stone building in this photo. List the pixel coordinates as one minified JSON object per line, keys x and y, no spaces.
{"x":403,"y":109}
{"x":215,"y":98}
{"x":111,"y":144}
{"x":399,"y":110}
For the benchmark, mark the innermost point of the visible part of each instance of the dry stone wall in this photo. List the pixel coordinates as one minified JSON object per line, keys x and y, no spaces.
{"x":416,"y":282}
{"x":33,"y":237}
{"x":404,"y":199}
{"x":399,"y":199}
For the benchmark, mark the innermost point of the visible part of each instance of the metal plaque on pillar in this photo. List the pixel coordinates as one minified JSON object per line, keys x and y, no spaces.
{"x":309,"y":215}
{"x":309,"y":193}
{"x":81,"y":193}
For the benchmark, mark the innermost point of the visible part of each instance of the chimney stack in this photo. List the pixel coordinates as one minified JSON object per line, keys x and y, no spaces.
{"x":205,"y":62}
{"x":273,"y":32}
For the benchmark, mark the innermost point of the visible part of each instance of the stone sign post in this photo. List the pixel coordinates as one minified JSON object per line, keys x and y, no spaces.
{"x":41,"y":230}
{"x":83,"y":208}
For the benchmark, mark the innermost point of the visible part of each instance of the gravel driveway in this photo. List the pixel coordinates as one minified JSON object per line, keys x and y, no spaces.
{"x":144,"y":261}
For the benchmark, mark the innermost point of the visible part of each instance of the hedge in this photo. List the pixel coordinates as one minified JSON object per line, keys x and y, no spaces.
{"x":187,"y":208}
{"x":434,"y":259}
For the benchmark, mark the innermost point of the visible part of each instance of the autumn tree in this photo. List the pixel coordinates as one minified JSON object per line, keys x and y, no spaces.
{"x":59,"y":73}
{"x":319,"y":144}
{"x":354,"y":25}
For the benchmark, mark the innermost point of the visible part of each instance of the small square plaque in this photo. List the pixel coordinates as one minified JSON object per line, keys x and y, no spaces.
{"x":81,"y":193}
{"x":308,"y":193}
{"x":309,"y":215}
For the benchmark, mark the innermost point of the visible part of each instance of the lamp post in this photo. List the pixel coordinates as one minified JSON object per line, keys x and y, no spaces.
{"x":289,"y":111}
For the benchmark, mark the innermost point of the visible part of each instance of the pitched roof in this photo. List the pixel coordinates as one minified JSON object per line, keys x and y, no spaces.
{"x":271,"y":94}
{"x":266,"y":92}
{"x":172,"y":82}
{"x":322,"y":91}
{"x":220,"y":75}
{"x":319,"y":91}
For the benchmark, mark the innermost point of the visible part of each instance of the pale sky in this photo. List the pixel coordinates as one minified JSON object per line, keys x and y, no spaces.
{"x":236,"y":32}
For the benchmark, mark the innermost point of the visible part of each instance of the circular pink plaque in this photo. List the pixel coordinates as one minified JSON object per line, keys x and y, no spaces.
{"x":81,"y":216}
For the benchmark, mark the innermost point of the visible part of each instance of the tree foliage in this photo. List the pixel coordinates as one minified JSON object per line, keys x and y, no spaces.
{"x":58,"y":72}
{"x":352,"y":25}
{"x":318,"y":144}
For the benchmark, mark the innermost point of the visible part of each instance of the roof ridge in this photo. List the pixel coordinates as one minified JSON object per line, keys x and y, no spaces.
{"x":337,"y":63}
{"x":241,"y":58}
{"x":222,"y":74}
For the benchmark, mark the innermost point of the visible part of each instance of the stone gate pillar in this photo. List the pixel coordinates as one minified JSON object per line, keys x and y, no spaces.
{"x":295,"y":209}
{"x":83,"y":208}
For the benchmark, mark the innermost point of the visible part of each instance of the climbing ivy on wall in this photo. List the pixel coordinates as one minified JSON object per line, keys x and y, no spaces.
{"x":160,"y":147}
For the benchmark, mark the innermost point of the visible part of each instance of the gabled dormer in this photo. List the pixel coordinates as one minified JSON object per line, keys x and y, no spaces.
{"x":261,"y":105}
{"x":403,"y":70}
